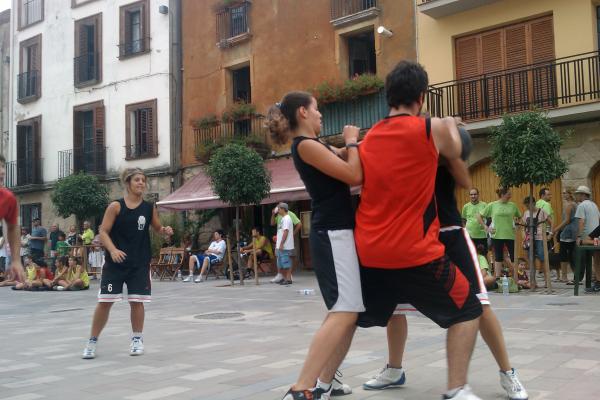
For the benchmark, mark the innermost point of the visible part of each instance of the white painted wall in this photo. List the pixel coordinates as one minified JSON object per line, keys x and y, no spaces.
{"x":127,"y":81}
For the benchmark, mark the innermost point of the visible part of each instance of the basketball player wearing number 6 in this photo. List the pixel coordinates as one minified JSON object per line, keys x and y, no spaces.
{"x":126,"y":235}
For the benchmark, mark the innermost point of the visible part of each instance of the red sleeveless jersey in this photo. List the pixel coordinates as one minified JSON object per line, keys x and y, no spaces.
{"x":396,"y":222}
{"x":8,"y":207}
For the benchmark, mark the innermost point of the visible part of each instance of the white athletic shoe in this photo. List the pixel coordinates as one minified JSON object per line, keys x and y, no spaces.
{"x":90,"y":350}
{"x":387,"y":378}
{"x":200,"y":278}
{"x":137,"y":347}
{"x":511,"y":383}
{"x":338,"y":388}
{"x":277,"y":278}
{"x":463,"y":394}
{"x":187,"y":278}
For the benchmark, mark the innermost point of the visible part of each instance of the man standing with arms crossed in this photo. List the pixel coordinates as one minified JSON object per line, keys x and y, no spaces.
{"x":397,"y":228}
{"x":9,"y":212}
{"x":469,"y":215}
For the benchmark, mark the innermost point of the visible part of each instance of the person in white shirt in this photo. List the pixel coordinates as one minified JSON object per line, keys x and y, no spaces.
{"x":588,"y":219}
{"x":285,"y":244}
{"x":214,"y":254}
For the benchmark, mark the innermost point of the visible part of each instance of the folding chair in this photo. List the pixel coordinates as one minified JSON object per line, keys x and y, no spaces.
{"x":175,"y":263}
{"x":158,"y":266}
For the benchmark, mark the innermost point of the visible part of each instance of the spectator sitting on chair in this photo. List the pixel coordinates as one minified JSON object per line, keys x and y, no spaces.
{"x":264,"y":250}
{"x":211,"y":256}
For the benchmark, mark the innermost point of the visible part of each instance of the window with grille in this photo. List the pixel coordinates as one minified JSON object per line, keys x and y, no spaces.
{"x":240,"y":79}
{"x":361,"y":54}
{"x":29,"y":78}
{"x":29,"y":212}
{"x":233,"y":22}
{"x":88,"y":51}
{"x":134,"y":29}
{"x":30,"y":12}
{"x":29,"y":165}
{"x":141,"y":132}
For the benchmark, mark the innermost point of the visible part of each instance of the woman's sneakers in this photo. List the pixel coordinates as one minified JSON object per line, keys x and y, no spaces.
{"x":137,"y":346}
{"x":299,"y":395}
{"x":89,"y":351}
{"x":464,"y":393}
{"x":511,"y":383}
{"x":388,"y":378}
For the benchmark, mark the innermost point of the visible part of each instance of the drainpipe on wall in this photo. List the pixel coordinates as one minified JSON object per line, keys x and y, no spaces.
{"x":175,"y":91}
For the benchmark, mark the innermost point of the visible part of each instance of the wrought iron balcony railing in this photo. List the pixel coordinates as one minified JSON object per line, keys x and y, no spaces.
{"x":89,"y":159}
{"x":134,"y":47}
{"x":86,"y":69}
{"x":23,"y":172}
{"x":344,"y":8}
{"x":28,"y":85}
{"x":253,"y":125}
{"x":233,"y":22}
{"x":561,"y":82}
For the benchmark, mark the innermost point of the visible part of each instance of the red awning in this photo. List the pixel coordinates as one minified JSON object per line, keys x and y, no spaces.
{"x":197,"y":194}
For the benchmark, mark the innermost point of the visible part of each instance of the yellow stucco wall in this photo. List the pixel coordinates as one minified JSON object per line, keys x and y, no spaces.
{"x":574,"y":29}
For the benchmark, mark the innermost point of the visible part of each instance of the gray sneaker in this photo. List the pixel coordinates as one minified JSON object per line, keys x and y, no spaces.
{"x":388,"y":377}
{"x":90,"y":350}
{"x":513,"y":386}
{"x":137,"y":347}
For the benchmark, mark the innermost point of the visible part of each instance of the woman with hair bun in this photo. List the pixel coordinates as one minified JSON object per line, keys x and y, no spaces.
{"x":327,"y":173}
{"x":125,"y":234}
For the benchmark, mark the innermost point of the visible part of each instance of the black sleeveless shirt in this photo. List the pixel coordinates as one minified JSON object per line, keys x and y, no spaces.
{"x":331,"y":201}
{"x":446,"y":200}
{"x":131,"y":234}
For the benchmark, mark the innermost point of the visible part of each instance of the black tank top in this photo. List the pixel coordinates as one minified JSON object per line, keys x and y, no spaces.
{"x":331,"y":200}
{"x":446,"y":200}
{"x":130,"y":234}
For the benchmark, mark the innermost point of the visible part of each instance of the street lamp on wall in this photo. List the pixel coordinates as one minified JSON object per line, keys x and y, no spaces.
{"x":383,"y":31}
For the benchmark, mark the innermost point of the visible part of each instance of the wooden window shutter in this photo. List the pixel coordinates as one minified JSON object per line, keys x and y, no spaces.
{"x":492,"y":60}
{"x":37,"y":151}
{"x":100,"y":138}
{"x":542,"y":51}
{"x":468,"y":65}
{"x":77,"y":141}
{"x":21,"y":142}
{"x":517,"y":81}
{"x":150,"y":139}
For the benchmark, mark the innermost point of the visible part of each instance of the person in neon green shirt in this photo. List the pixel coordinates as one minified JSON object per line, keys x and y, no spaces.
{"x":469,"y":214}
{"x":88,"y":234}
{"x":544,"y":204}
{"x":503,"y":213}
{"x":264,"y":249}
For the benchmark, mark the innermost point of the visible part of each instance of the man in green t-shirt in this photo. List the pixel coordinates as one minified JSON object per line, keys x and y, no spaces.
{"x":469,"y":215}
{"x":88,"y":234}
{"x":544,"y":204}
{"x":275,"y":220}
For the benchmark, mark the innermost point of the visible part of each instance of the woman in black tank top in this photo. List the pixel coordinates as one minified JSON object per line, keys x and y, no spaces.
{"x":125,"y":233}
{"x":327,"y":174}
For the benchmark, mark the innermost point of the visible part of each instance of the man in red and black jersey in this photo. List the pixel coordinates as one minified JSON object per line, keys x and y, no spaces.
{"x":397,"y":226}
{"x":9,"y":213}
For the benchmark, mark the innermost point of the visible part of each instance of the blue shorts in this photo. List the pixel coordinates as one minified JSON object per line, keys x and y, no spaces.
{"x":539,"y":250}
{"x":212,"y":259}
{"x":283,"y":259}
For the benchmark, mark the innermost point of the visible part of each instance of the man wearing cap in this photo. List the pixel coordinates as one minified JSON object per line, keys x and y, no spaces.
{"x":275,"y":221}
{"x":285,"y":244}
{"x":589,"y":219}
{"x":37,"y":241}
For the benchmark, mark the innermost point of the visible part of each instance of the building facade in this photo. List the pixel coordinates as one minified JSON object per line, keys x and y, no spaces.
{"x":487,"y":58}
{"x":5,"y":33}
{"x":91,"y":88}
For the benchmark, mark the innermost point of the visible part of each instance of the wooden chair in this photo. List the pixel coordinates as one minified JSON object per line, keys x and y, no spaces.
{"x":158,"y":267}
{"x":175,"y":262}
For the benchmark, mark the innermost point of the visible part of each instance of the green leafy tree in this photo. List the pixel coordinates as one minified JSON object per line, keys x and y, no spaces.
{"x":81,"y":195}
{"x":525,"y":150}
{"x":239,"y":177}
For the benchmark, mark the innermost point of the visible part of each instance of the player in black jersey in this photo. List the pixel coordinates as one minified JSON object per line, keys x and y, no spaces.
{"x":461,"y":251}
{"x":125,"y":233}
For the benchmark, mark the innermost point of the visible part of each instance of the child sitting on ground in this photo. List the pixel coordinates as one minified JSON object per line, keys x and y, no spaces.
{"x":77,"y":276}
{"x":59,"y":281}
{"x":522,"y":276}
{"x":488,"y":278}
{"x":32,"y":273}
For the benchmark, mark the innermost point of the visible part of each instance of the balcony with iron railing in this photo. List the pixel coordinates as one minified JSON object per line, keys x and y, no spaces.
{"x":346,"y":12}
{"x":86,"y":69}
{"x":555,"y":84}
{"x":233,"y":24}
{"x":91,"y":160}
{"x":141,"y":150}
{"x":29,"y":86}
{"x":223,"y":130}
{"x":23,"y":172}
{"x":134,"y":47}
{"x":444,"y":8}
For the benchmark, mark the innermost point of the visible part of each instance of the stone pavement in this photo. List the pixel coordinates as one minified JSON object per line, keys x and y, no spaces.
{"x":205,"y":341}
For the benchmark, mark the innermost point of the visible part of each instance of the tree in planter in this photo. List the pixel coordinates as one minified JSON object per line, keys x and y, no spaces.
{"x":81,"y":195}
{"x":239,"y":177}
{"x":525,"y":150}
